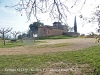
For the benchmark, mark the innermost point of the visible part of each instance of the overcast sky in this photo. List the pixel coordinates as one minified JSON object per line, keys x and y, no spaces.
{"x":9,"y":18}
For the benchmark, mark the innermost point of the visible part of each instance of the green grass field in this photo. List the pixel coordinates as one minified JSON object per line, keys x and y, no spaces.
{"x":10,"y":44}
{"x":19,"y":43}
{"x":30,"y":42}
{"x":55,"y":37}
{"x":90,"y":56}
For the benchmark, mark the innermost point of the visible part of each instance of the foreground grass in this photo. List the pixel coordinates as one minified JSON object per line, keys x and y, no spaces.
{"x":90,"y":56}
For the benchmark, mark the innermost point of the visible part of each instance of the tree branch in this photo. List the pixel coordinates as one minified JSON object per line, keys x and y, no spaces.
{"x":56,"y":8}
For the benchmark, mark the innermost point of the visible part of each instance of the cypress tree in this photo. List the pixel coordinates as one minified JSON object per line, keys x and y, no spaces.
{"x":75,"y":25}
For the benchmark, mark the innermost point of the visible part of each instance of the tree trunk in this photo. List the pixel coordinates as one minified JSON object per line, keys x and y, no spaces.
{"x":21,"y":39}
{"x":15,"y":39}
{"x":34,"y":37}
{"x":3,"y":39}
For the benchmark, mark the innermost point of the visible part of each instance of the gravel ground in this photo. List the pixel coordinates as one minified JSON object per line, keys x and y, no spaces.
{"x":77,"y":44}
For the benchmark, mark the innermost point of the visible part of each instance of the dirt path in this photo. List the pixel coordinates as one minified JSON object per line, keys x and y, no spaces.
{"x":77,"y":43}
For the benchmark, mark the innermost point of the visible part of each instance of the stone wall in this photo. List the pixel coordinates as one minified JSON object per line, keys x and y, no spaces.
{"x":56,"y":29}
{"x":49,"y":32}
{"x":54,"y":32}
{"x":42,"y":32}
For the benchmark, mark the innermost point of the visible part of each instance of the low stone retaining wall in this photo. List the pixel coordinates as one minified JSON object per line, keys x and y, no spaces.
{"x":90,"y":36}
{"x":72,"y":34}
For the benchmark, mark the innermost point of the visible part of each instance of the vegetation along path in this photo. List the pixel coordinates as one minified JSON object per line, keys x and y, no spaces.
{"x":50,"y":46}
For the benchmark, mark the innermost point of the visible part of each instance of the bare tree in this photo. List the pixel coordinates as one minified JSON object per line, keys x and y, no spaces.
{"x":57,"y":9}
{"x":3,"y":31}
{"x":95,"y":16}
{"x":15,"y":33}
